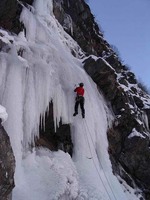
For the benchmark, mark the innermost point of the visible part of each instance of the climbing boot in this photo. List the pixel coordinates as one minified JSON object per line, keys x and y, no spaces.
{"x":75,"y":114}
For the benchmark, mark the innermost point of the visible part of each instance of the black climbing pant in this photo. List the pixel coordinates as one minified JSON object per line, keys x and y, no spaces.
{"x":79,"y":100}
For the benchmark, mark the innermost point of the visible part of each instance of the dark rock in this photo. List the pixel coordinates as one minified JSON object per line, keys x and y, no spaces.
{"x":123,"y":81}
{"x":134,"y":90}
{"x":131,"y":78}
{"x":146,"y":194}
{"x":120,"y":102}
{"x":103,"y":75}
{"x":7,"y":165}
{"x":138,"y":102}
{"x":59,"y":13}
{"x":125,"y":68}
{"x":114,"y":139}
{"x":115,"y":63}
{"x":30,"y":2}
{"x":55,"y":139}
{"x":85,"y":30}
{"x":129,"y":153}
{"x":148,"y":115}
{"x":136,"y":158}
{"x":122,"y":172}
{"x":90,"y":66}
{"x":10,"y":13}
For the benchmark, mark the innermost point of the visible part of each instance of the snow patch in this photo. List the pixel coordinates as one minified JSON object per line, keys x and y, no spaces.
{"x":51,"y":175}
{"x":135,"y":133}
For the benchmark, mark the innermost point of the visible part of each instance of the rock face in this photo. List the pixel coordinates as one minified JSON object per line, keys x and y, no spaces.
{"x":129,"y":136}
{"x":77,"y":20}
{"x":7,"y":165}
{"x":9,"y":15}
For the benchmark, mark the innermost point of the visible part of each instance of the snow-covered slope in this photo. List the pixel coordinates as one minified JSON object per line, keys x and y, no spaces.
{"x":36,"y":69}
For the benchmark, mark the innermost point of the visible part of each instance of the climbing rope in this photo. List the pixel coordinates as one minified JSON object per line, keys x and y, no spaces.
{"x":99,"y":163}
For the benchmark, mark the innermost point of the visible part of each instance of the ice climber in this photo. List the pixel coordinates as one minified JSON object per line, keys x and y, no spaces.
{"x":79,"y":100}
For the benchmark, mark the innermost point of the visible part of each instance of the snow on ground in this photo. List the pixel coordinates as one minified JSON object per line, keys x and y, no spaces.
{"x":45,"y":69}
{"x":47,"y":175}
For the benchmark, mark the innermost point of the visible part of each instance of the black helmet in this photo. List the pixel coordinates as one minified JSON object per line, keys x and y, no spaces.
{"x":81,"y":84}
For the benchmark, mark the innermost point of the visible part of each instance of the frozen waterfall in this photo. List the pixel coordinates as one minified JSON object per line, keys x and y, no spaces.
{"x":36,"y":67}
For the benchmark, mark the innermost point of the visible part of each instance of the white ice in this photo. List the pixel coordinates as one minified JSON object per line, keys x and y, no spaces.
{"x":3,"y":114}
{"x":46,"y":70}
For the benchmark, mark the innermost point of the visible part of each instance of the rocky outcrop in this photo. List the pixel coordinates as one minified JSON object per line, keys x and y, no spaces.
{"x":77,"y":20}
{"x":55,"y":138}
{"x":7,"y":165}
{"x":129,"y":136}
{"x":10,"y":13}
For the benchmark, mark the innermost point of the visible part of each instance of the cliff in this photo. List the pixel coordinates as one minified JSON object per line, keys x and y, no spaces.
{"x":128,"y":135}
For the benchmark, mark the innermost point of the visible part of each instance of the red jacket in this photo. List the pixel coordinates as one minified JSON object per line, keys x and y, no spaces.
{"x":79,"y":91}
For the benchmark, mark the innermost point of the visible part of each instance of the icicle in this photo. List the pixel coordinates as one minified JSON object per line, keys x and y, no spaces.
{"x":48,"y":71}
{"x":145,"y":120}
